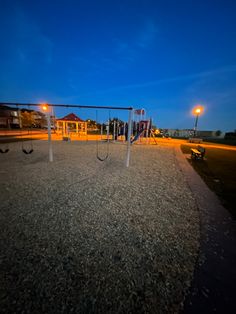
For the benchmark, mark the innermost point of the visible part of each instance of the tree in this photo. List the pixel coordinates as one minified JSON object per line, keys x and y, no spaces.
{"x":218,"y":133}
{"x":117,"y":121}
{"x":92,"y":124}
{"x":27,"y":119}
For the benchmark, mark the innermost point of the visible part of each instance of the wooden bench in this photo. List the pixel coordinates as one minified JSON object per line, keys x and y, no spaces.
{"x":198,"y":153}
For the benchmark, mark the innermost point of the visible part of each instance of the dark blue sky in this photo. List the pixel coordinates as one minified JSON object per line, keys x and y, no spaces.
{"x":165,"y":56}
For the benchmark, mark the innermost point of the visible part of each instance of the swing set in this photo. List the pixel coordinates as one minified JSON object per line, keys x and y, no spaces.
{"x":45,"y":108}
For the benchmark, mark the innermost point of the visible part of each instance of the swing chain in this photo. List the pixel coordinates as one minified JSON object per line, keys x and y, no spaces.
{"x":107,"y":146}
{"x":30,"y":150}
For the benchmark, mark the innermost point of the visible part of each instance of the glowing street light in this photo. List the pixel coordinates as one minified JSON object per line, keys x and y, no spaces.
{"x":45,"y":108}
{"x":197,"y":111}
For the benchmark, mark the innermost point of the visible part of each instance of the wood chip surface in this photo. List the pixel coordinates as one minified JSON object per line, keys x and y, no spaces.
{"x":83,"y":236}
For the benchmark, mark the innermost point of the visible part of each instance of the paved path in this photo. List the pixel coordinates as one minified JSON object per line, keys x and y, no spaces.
{"x":213,"y":287}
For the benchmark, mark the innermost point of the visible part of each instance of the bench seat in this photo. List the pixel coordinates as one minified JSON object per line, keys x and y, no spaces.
{"x":198,"y":153}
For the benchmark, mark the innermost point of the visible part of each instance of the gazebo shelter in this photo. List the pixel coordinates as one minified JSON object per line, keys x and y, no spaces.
{"x":72,"y":123}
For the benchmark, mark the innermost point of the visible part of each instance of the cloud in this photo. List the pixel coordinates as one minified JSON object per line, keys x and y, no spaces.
{"x":23,"y":39}
{"x":147,"y":35}
{"x":141,"y":40}
{"x":120,"y":54}
{"x":215,"y":89}
{"x":120,"y":46}
{"x":192,"y":76}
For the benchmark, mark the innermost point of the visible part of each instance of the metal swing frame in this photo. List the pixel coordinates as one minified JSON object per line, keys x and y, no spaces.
{"x":129,"y":109}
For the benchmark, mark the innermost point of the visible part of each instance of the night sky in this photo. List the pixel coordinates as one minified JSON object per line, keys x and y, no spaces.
{"x":164,"y":56}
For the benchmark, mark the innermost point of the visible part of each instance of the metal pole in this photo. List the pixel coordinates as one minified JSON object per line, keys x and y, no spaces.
{"x":129,"y":137}
{"x":49,"y":138}
{"x":147,"y":128}
{"x":147,"y":131}
{"x":195,"y":126}
{"x":132,"y":124}
{"x":53,"y":117}
{"x":101,"y":130}
{"x":114,"y":130}
{"x":124,"y":126}
{"x":108,"y":130}
{"x":66,"y":106}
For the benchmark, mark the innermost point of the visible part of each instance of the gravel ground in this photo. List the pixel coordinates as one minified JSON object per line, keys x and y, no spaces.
{"x":81,"y":236}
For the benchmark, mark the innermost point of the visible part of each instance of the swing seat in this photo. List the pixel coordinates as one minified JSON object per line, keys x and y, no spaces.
{"x":102,"y":159}
{"x":27,"y":151}
{"x":4,"y":151}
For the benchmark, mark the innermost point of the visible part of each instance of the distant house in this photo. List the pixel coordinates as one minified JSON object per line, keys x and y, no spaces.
{"x":187,"y":133}
{"x":210,"y":134}
{"x":18,"y":118}
{"x":230,"y":136}
{"x":9,"y":117}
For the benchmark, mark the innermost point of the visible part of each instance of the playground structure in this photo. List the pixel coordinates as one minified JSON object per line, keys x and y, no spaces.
{"x":144,"y":134}
{"x":142,"y":128}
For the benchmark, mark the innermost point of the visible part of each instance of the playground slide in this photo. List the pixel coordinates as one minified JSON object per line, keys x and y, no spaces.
{"x":137,"y":136}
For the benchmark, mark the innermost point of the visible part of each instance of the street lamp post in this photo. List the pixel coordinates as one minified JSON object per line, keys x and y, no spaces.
{"x":196,"y":111}
{"x":50,"y":152}
{"x":196,"y":121}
